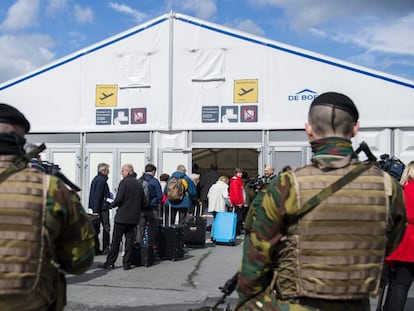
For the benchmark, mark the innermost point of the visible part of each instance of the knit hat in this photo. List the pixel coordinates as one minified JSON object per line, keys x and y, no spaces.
{"x":11,"y":115}
{"x":338,"y":101}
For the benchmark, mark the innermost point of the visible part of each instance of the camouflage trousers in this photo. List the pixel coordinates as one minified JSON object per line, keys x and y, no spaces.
{"x":268,"y":302}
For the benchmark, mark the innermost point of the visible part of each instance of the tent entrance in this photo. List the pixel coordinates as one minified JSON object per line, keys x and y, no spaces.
{"x":226,"y":159}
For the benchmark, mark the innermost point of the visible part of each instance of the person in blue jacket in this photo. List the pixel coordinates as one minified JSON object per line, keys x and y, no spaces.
{"x":149,"y":212}
{"x":184,"y":205}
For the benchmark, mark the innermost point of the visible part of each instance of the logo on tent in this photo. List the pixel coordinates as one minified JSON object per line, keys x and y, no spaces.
{"x":248,"y":114}
{"x":305,"y":94}
{"x":138,"y":115}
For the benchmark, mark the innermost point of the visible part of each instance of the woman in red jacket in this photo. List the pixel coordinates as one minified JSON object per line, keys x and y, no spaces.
{"x":237,"y":198}
{"x":401,"y":260}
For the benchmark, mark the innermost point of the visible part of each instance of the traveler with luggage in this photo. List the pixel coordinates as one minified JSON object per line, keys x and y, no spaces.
{"x":218,"y":196}
{"x":401,"y":260}
{"x":149,"y":213}
{"x":316,"y":237}
{"x":100,"y":204}
{"x":237,"y":197}
{"x":180,"y":190}
{"x":129,"y":200}
{"x":44,"y":229}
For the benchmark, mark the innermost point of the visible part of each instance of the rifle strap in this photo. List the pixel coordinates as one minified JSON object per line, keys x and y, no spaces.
{"x":20,"y":162}
{"x":334,"y":187}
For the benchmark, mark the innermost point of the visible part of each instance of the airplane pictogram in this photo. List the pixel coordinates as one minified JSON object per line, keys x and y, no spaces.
{"x":105,"y":96}
{"x":245,"y":91}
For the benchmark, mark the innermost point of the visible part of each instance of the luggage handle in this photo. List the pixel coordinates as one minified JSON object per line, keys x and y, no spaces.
{"x":169,"y":215}
{"x":198,"y":210}
{"x":164,"y":222}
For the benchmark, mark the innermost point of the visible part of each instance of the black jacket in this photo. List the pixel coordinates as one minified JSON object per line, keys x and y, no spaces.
{"x":99,"y":192}
{"x":130,"y":200}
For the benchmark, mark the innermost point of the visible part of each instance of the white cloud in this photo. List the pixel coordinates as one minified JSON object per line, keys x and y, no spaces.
{"x":55,"y":5}
{"x":396,"y":37}
{"x":83,"y":15}
{"x":21,"y":54}
{"x":249,"y":26}
{"x":21,"y":15}
{"x":202,"y":9}
{"x":318,"y":32}
{"x":302,"y":14}
{"x":135,"y":14}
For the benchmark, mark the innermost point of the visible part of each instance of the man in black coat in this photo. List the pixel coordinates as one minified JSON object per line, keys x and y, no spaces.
{"x":130,"y":200}
{"x":98,"y":195}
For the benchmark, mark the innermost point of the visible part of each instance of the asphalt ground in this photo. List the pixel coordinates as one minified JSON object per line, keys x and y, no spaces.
{"x":191,"y":283}
{"x":186,"y":284}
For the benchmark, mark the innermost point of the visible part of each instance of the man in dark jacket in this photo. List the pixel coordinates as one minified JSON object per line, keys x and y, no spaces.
{"x":149,"y":213}
{"x":206,"y":181}
{"x":98,"y":195}
{"x":130,"y":200}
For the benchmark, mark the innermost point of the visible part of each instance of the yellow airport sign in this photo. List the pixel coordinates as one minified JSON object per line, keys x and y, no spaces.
{"x":245,"y":91}
{"x":106,"y":95}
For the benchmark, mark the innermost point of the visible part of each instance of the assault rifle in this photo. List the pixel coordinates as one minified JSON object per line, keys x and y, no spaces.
{"x":227,"y":289}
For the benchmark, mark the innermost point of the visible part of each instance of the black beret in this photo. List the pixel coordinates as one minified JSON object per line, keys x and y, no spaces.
{"x":339,"y":101}
{"x":11,"y":115}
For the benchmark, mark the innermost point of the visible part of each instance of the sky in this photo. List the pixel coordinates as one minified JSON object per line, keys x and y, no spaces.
{"x":377,"y":34}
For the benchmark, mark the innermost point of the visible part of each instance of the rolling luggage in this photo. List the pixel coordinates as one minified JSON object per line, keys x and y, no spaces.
{"x":224,"y":228}
{"x":171,"y":243}
{"x":195,"y":230}
{"x":146,"y":251}
{"x":146,"y":255}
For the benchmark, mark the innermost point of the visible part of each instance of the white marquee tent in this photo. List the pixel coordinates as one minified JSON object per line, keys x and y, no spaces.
{"x":177,"y":83}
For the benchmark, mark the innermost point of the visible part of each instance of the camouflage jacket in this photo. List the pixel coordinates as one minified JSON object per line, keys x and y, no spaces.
{"x":70,"y":234}
{"x":264,"y":229}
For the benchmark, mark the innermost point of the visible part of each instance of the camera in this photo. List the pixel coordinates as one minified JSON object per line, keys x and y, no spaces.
{"x":391,"y":165}
{"x":54,"y":170}
{"x":50,"y":168}
{"x":256,"y":183}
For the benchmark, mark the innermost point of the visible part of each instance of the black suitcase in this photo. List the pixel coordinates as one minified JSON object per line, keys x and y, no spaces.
{"x":195,"y":230}
{"x":171,"y":243}
{"x":147,"y":255}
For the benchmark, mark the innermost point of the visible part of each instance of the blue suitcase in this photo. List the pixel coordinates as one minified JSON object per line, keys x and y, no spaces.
{"x":224,"y":228}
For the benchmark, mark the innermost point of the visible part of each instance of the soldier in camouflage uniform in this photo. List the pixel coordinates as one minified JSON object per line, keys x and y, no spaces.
{"x":43,"y":228}
{"x":331,"y":258}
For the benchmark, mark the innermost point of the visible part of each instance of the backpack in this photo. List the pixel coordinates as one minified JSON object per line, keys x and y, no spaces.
{"x":145,"y":185}
{"x":176,"y":189}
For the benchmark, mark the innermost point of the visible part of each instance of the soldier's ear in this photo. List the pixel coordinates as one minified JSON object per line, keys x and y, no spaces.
{"x":355,"y":129}
{"x":309,"y":131}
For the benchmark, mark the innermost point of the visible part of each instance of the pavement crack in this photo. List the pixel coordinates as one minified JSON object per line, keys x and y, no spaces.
{"x":192,"y":274}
